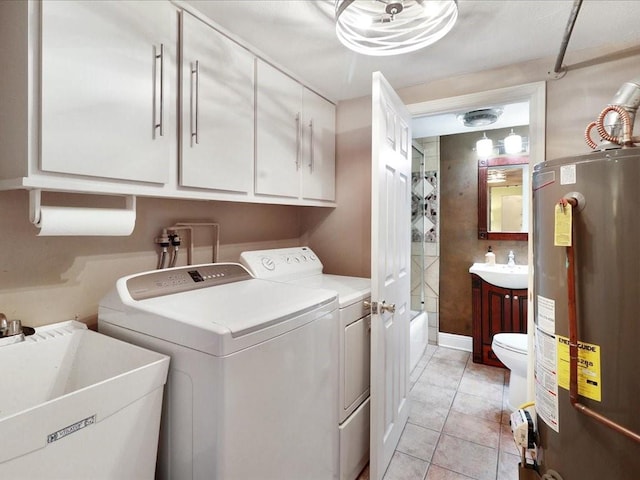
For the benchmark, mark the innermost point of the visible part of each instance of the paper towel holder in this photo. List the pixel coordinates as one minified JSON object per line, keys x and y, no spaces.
{"x":35,"y":204}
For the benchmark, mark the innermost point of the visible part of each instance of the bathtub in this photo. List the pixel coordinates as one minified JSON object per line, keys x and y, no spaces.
{"x":418,"y":337}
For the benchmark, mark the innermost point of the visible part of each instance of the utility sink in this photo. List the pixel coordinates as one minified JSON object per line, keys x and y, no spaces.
{"x":77,"y":404}
{"x":501,"y":275}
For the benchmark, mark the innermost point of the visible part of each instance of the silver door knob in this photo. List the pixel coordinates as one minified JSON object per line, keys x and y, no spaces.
{"x":382,"y":307}
{"x":388,"y":307}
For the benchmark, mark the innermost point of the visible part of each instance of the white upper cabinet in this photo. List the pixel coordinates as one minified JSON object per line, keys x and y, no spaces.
{"x":106,"y":78}
{"x":295,"y":139}
{"x":91,"y":104}
{"x":278,"y":133}
{"x":217,"y":110}
{"x":318,"y":154}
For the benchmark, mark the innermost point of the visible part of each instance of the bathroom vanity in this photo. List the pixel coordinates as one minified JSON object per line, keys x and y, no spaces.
{"x":495,"y":309}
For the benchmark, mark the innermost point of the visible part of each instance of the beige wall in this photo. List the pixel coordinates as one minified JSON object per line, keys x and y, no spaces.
{"x":460,"y":246}
{"x":572,"y":102}
{"x":342,"y":237}
{"x":50,"y":279}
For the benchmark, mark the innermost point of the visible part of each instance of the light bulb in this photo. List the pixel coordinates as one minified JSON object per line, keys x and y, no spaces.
{"x":512,"y":143}
{"x":484,"y":146}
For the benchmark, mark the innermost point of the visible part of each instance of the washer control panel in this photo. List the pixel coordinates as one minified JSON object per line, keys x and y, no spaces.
{"x":282,"y":263}
{"x":181,"y":279}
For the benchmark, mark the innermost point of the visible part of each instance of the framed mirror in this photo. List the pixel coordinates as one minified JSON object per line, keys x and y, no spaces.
{"x":503,"y":202}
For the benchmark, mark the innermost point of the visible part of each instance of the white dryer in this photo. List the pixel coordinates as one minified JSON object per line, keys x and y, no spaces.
{"x":252,"y":385}
{"x":301,"y":266}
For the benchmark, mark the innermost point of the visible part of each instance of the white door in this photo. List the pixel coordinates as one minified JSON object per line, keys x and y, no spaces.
{"x":390,"y":272}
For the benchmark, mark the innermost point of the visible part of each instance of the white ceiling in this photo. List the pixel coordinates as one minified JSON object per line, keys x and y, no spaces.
{"x":300,"y":36}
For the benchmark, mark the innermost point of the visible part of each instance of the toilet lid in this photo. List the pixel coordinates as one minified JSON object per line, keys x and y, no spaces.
{"x":516,"y":342}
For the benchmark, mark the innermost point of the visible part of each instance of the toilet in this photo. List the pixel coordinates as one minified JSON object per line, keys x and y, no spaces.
{"x":511,"y":350}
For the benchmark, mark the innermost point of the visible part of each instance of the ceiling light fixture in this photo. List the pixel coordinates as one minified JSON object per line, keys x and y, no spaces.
{"x":484,"y":147}
{"x":391,"y":27}
{"x":480,"y":117}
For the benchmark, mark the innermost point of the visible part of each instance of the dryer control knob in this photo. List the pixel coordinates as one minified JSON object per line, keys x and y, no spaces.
{"x":268,"y":263}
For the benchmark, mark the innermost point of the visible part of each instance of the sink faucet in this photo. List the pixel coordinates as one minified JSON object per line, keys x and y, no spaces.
{"x":512,"y":258}
{"x":10,"y":331}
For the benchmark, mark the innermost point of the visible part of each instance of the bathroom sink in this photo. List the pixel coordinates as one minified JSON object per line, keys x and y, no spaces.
{"x":501,"y":275}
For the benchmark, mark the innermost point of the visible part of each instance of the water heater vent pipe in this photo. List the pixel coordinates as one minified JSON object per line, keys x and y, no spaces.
{"x":619,"y":129}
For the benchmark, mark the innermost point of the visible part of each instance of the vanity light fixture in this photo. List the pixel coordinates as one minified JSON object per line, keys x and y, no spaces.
{"x":512,"y":143}
{"x":484,"y":147}
{"x":391,"y":27}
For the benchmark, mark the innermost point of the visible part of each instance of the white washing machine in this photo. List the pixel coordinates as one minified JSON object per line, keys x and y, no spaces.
{"x":301,"y":266}
{"x":252,"y":385}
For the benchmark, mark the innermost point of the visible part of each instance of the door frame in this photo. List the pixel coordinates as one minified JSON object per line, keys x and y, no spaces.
{"x":535,"y":93}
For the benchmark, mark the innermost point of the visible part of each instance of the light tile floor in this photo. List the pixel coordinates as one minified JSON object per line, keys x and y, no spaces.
{"x":458,"y":426}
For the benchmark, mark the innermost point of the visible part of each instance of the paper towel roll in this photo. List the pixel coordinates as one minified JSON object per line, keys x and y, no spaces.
{"x":85,"y":221}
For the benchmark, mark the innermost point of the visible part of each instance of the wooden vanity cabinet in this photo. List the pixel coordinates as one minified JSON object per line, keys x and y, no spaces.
{"x":495,"y":310}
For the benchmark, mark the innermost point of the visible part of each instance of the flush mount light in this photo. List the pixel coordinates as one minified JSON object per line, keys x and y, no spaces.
{"x":512,"y":143}
{"x":480,"y":117}
{"x":484,"y":147}
{"x":391,"y":27}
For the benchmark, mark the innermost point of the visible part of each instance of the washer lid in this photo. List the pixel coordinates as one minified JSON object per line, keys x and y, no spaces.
{"x":516,"y":342}
{"x":350,"y":289}
{"x":220,"y":318}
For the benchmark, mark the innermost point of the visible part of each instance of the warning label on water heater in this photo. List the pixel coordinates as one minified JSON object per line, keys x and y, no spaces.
{"x":546,"y":378}
{"x":589,"y":381}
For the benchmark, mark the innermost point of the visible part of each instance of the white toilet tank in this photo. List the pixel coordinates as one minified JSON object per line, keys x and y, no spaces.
{"x":76,"y":404}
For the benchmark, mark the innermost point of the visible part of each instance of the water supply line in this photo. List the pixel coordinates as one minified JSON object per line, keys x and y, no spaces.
{"x":170,"y":236}
{"x":573,"y":203}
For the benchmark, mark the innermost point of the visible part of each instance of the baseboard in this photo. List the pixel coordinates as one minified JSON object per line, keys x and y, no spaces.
{"x":458,"y":342}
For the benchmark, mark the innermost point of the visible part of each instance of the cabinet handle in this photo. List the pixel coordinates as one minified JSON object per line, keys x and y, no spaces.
{"x":160,"y":123}
{"x":507,"y":297}
{"x":195,"y":102}
{"x":298,"y":141}
{"x":515,"y":297}
{"x":311,"y":145}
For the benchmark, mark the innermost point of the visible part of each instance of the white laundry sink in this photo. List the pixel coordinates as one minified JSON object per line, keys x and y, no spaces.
{"x":78,"y":404}
{"x":501,"y":275}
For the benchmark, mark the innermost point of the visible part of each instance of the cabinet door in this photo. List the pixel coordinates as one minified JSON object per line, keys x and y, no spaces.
{"x":106,"y":104}
{"x":318,"y":151}
{"x":278,"y":133}
{"x":519,"y":313}
{"x":217,"y":110}
{"x":496,"y":311}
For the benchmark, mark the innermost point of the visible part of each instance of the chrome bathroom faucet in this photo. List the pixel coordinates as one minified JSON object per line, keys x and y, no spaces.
{"x":512,"y":258}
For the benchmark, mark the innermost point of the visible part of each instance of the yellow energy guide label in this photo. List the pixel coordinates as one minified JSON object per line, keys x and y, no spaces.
{"x":562,"y":225}
{"x":589,"y":381}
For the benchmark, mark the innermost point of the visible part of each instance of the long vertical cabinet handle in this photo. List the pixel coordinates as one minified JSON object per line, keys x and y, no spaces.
{"x":159,"y":124}
{"x":311,"y":145}
{"x":195,"y":103}
{"x":298,"y":140}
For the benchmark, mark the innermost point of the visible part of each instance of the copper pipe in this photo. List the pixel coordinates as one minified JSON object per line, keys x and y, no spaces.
{"x":587,"y":136}
{"x":625,"y":140}
{"x":573,"y":341}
